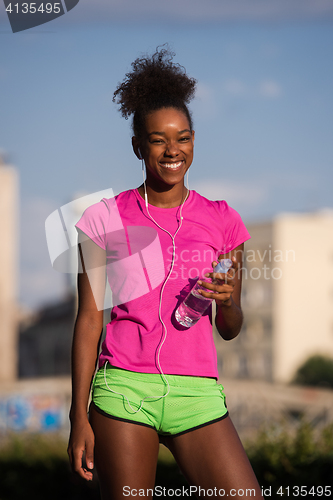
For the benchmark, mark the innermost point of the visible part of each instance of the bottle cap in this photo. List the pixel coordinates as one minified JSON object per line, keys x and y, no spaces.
{"x":223,"y":266}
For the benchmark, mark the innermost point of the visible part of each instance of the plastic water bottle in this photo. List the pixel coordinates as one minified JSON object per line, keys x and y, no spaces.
{"x":194,"y":305}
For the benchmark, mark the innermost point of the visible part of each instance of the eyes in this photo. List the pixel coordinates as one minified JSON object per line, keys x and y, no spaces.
{"x":182,"y":140}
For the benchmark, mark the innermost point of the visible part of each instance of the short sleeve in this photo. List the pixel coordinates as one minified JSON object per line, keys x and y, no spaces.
{"x":94,"y":223}
{"x":235,"y":232}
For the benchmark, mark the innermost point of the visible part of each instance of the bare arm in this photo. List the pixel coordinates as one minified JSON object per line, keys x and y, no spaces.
{"x":87,"y":332}
{"x":229,"y":316}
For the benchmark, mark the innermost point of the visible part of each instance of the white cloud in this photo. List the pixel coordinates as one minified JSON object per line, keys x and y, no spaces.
{"x":203,"y":92}
{"x":266,"y":88}
{"x":272,"y":192}
{"x":235,"y":87}
{"x":243,"y":195}
{"x":270,"y":89}
{"x":204,"y":104}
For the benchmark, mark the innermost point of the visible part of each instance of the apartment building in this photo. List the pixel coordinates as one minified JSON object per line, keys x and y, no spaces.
{"x":287,"y":298}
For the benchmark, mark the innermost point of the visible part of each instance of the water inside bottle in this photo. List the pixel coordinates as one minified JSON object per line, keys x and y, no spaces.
{"x":192,"y":308}
{"x":190,"y":311}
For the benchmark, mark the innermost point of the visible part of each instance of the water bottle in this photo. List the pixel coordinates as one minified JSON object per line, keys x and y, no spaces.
{"x":194,"y":305}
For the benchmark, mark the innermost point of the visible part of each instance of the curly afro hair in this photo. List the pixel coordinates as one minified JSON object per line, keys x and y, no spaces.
{"x":155,"y":82}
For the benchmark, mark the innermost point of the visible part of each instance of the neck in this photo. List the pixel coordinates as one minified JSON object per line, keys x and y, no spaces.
{"x":170,"y":198}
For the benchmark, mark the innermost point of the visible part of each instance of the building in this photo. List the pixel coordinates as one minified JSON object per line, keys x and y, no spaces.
{"x":287,"y":298}
{"x":45,"y":341}
{"x":8,"y":271}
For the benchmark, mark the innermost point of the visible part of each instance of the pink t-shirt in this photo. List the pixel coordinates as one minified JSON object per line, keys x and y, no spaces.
{"x":138,"y":258}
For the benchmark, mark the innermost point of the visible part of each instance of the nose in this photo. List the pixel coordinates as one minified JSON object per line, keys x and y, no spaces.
{"x":172,"y":149}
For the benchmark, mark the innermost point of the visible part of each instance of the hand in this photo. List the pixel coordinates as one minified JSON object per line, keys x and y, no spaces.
{"x":81,"y":448}
{"x":222,"y":285}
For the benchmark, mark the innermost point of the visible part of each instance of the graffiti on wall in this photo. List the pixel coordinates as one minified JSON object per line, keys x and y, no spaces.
{"x":36,"y":413}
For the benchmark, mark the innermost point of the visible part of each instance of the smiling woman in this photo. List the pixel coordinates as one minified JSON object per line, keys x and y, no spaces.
{"x":156,"y":93}
{"x":167,"y":150}
{"x":157,"y":380}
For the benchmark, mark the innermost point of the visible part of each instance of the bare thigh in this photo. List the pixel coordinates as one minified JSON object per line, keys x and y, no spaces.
{"x":213,"y":457}
{"x":125,"y":456}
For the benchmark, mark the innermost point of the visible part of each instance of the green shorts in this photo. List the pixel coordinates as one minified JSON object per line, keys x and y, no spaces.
{"x":192,"y":402}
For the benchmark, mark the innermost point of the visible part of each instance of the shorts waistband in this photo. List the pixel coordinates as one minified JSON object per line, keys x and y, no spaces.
{"x":157,"y":378}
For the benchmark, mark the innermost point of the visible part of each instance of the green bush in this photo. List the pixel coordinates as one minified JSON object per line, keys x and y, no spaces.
{"x":304,"y":457}
{"x":37,"y":466}
{"x":316,"y":371}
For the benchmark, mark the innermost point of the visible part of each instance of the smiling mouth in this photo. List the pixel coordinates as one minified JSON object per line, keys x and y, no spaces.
{"x":172,"y":166}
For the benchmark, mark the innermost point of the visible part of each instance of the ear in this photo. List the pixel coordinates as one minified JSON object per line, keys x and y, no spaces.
{"x":136,"y":148}
{"x":193,"y":134}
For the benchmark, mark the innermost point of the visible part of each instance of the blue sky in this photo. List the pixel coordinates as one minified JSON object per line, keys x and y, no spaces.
{"x":263,"y":114}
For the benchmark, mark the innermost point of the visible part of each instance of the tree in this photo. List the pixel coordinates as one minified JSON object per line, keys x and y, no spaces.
{"x":316,"y":371}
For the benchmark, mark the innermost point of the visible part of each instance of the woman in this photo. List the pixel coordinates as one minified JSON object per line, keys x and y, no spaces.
{"x":156,"y":379}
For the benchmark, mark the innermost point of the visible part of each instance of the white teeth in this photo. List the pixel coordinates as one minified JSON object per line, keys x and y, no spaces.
{"x":173,"y":166}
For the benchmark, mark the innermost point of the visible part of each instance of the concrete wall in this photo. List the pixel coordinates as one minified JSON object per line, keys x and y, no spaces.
{"x":303,"y":297}
{"x":42,"y":405}
{"x":8,"y":271}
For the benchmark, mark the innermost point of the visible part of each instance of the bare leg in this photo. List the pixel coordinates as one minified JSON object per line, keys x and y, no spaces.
{"x":125,"y":456}
{"x":213,"y":457}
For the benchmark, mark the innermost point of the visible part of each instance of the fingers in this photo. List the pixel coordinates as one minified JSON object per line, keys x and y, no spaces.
{"x":81,"y":458}
{"x":218,"y":292}
{"x":77,"y":462}
{"x":220,"y":278}
{"x":79,"y":465}
{"x":224,"y":277}
{"x":222,"y":285}
{"x":90,"y":455}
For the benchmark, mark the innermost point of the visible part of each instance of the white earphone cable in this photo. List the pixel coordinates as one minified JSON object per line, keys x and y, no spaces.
{"x":164,"y":329}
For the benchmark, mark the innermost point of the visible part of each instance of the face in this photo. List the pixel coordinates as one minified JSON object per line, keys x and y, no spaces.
{"x":167,"y":146}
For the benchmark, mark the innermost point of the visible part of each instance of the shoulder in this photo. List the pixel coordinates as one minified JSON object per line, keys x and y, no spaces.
{"x":125,"y":197}
{"x":220,"y":207}
{"x":110,"y":206}
{"x":94,"y":212}
{"x":224,"y":221}
{"x":104,"y":216}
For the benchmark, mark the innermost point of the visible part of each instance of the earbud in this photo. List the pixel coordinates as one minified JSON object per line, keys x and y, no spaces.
{"x":139,"y":151}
